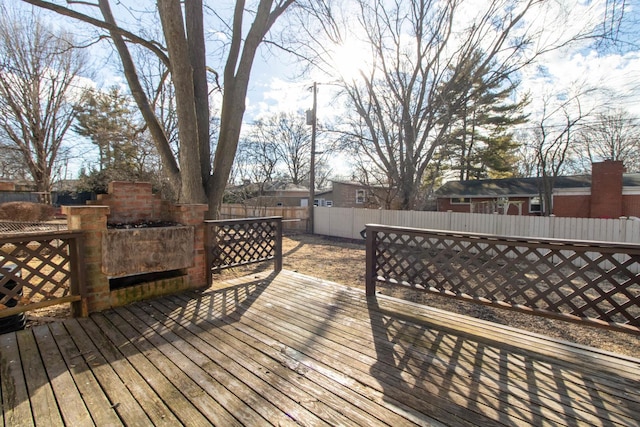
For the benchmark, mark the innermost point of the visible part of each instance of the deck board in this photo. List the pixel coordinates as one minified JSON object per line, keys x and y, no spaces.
{"x":43,"y":402}
{"x":295,"y":350}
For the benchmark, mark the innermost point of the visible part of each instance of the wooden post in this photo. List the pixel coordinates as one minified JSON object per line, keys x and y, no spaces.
{"x":312,"y":165}
{"x":370,"y":268}
{"x":278,"y":246}
{"x":78,"y":285}
{"x":208,"y":251}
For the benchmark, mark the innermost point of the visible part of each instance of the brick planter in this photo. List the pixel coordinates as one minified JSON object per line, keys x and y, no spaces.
{"x":147,"y":250}
{"x":126,"y":265}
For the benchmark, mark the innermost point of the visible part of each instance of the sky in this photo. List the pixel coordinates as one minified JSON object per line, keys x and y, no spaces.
{"x":277,"y":85}
{"x":608,"y":76}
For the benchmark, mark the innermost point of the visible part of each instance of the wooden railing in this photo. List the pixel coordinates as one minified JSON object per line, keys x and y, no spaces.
{"x":233,"y":243}
{"x":39,"y":271}
{"x":594,"y":283}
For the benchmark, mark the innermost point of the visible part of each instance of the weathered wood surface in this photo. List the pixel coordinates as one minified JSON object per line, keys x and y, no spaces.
{"x":165,"y":249}
{"x":291,"y":349}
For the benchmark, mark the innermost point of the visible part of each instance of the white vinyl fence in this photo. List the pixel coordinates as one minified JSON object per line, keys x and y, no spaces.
{"x":348,"y":222}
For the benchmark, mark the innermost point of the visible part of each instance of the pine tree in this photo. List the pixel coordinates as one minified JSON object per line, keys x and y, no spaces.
{"x":480,"y":142}
{"x":108,"y":121}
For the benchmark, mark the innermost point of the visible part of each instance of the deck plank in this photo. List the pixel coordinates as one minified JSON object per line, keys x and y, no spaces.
{"x":177,"y":367}
{"x":43,"y":402}
{"x":507,"y":389}
{"x":291,"y":349}
{"x":267,"y":361}
{"x":371,"y":371}
{"x":125,"y":391}
{"x":163,"y":401}
{"x":72,"y":408}
{"x":391,"y":354}
{"x":99,"y":406}
{"x":320,"y":354}
{"x":235,"y":371}
{"x":16,"y":406}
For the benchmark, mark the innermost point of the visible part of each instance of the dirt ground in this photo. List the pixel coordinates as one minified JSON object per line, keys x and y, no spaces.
{"x":343,"y":261}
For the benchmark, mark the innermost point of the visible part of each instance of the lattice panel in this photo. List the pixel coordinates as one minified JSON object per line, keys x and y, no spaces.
{"x":241,"y":243}
{"x":35,"y":270}
{"x":579,"y":281}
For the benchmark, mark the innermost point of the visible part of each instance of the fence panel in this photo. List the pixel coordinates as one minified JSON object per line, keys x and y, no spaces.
{"x":294,"y":217}
{"x":39,"y":271}
{"x":233,"y":243}
{"x":591,"y":283}
{"x":348,"y":222}
{"x":8,"y":228}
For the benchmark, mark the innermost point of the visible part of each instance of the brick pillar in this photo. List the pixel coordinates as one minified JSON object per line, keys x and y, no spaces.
{"x":92,"y":220}
{"x":606,"y":189}
{"x":193,"y":215}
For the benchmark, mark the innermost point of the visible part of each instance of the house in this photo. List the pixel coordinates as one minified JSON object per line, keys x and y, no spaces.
{"x":607,"y":193}
{"x":273,"y":193}
{"x":352,"y":194}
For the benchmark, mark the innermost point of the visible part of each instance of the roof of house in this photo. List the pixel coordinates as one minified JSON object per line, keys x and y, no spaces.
{"x":520,"y":186}
{"x":284,"y":186}
{"x":359,"y":184}
{"x":281,"y":186}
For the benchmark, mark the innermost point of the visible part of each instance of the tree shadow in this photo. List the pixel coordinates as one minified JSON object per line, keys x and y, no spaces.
{"x":466,"y":379}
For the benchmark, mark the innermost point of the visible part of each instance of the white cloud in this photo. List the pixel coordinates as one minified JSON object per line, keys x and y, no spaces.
{"x":611,"y":80}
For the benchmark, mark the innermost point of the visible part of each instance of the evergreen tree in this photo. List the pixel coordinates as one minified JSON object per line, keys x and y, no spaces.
{"x":106,"y":119}
{"x":125,"y":151}
{"x":480,"y":143}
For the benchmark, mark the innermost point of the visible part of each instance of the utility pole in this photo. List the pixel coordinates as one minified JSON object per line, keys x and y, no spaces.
{"x":312,"y":172}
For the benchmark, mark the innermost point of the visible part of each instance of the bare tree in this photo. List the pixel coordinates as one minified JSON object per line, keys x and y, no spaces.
{"x":39,"y":83}
{"x":290,"y":138}
{"x":418,"y":50}
{"x":613,"y":135}
{"x":279,"y":146}
{"x":184,"y":55}
{"x":257,"y":160}
{"x":12,"y":164}
{"x":554,"y":136}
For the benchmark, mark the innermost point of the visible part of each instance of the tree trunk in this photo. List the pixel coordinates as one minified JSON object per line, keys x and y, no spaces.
{"x":164,"y":149}
{"x":236,"y":79}
{"x":194,"y":21}
{"x":192,"y":190}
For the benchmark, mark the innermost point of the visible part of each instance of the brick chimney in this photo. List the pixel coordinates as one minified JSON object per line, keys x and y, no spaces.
{"x":606,"y":189}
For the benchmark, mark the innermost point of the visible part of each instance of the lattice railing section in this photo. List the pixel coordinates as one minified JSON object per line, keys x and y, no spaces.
{"x":232,"y":243}
{"x":38,"y":271}
{"x":588,"y":282}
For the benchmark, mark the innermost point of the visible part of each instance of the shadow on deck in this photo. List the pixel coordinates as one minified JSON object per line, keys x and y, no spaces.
{"x":291,"y":349}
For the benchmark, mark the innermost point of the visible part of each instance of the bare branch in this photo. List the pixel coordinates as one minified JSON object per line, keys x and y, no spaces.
{"x":155,"y":47}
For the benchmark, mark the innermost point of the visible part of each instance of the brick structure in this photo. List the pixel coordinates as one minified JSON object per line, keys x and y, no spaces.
{"x":7,"y":186}
{"x":606,"y":189}
{"x":92,"y":220}
{"x":607,"y":193}
{"x":131,"y":202}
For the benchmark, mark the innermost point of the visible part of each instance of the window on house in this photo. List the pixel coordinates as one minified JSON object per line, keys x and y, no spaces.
{"x":329,"y":203}
{"x":535,"y":205}
{"x":360,"y":196}
{"x":460,"y":200}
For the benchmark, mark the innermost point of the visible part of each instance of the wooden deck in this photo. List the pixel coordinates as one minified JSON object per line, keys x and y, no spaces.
{"x":291,"y":350}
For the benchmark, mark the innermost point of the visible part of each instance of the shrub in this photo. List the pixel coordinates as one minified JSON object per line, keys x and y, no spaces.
{"x":26,"y":211}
